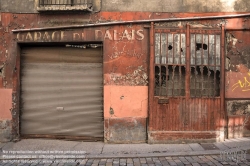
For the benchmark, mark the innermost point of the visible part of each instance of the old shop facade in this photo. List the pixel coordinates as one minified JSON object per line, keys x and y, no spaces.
{"x":157,"y":81}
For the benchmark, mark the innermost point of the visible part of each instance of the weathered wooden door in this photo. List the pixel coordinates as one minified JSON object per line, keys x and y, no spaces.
{"x":186,"y":94}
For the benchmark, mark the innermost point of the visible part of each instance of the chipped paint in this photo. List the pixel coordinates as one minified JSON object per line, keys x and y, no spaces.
{"x":136,"y":78}
{"x":231,"y":39}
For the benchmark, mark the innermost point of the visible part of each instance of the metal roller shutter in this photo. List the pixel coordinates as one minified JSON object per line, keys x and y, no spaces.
{"x":62,"y":92}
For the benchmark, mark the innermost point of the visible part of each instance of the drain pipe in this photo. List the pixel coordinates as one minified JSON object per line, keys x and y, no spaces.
{"x":133,"y":22}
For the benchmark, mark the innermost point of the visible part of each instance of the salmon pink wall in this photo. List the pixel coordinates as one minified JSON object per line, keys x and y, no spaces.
{"x":125,"y":101}
{"x":5,"y":104}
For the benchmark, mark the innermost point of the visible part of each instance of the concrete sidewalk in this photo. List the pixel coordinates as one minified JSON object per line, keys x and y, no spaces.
{"x":101,"y":150}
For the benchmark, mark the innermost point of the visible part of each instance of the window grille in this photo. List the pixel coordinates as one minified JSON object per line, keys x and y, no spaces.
{"x":65,"y":2}
{"x":205,"y":65}
{"x":170,"y":64}
{"x":170,"y":60}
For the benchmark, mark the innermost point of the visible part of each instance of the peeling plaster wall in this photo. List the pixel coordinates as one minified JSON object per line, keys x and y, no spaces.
{"x":5,"y":130}
{"x":177,"y":5}
{"x":238,"y":118}
{"x":238,"y":82}
{"x":238,"y":64}
{"x":125,"y":130}
{"x":29,"y":6}
{"x":6,"y":115}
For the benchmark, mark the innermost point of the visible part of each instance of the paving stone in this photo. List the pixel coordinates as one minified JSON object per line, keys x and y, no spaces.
{"x":201,"y":157}
{"x":143,"y":161}
{"x":136,"y":160}
{"x":102,"y":162}
{"x":110,"y":160}
{"x":165,"y":162}
{"x":150,"y":162}
{"x":149,"y":159}
{"x":129,"y":161}
{"x":116,"y":162}
{"x":109,"y":164}
{"x":196,"y":147}
{"x":96,"y":161}
{"x":195,"y":164}
{"x":204,"y":164}
{"x":210,"y":163}
{"x":94,"y":164}
{"x":161,"y":158}
{"x":158,"y":164}
{"x":144,"y":164}
{"x":83,"y":162}
{"x":186,"y":163}
{"x":172,"y":163}
{"x":137,"y":163}
{"x":218,"y":164}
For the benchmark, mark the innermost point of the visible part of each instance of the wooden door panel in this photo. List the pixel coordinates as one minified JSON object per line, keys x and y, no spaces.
{"x":195,"y":114}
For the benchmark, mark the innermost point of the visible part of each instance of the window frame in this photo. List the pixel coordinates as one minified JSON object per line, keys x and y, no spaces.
{"x":187,"y":77}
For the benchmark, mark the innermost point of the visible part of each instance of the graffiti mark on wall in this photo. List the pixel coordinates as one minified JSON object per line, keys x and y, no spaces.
{"x":243,"y":85}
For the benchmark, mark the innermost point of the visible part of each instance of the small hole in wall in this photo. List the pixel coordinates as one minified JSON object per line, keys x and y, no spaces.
{"x":170,"y":47}
{"x":111,"y":111}
{"x":1,"y":71}
{"x":200,"y":45}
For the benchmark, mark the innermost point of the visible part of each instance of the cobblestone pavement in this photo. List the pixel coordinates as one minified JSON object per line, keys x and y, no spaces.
{"x":151,"y":161}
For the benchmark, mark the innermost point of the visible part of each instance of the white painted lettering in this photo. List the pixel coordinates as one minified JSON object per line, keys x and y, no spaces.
{"x":20,"y":37}
{"x":140,"y":34}
{"x":46,"y":36}
{"x":63,"y":35}
{"x":126,"y":35}
{"x":133,"y":34}
{"x":37,"y":36}
{"x":98,"y":34}
{"x":115,"y":35}
{"x":76,"y":36}
{"x":108,"y":35}
{"x":29,"y":37}
{"x":55,"y":35}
